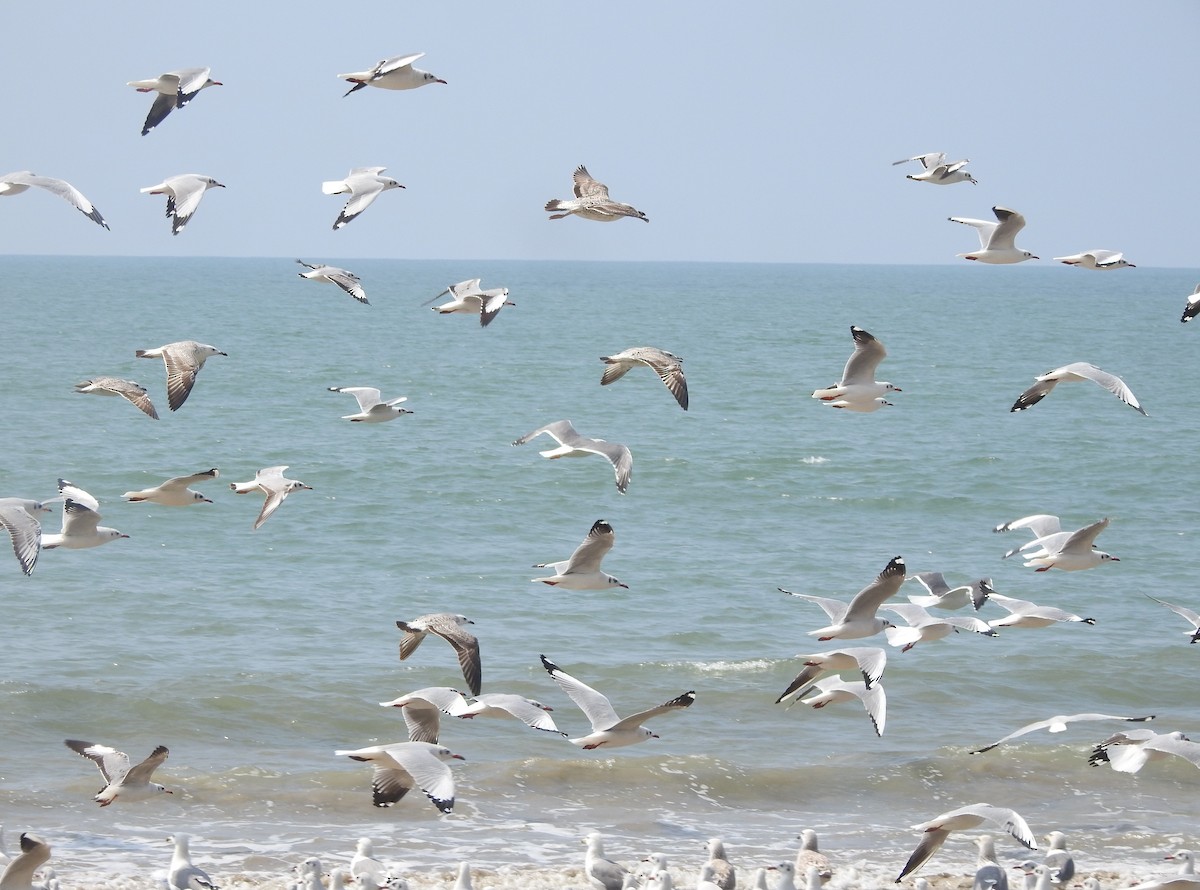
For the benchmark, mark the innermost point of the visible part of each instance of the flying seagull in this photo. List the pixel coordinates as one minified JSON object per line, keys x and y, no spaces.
{"x":175,"y":492}
{"x":22,"y":180}
{"x":452,"y":629}
{"x":270,"y":482}
{"x":371,"y":407}
{"x":582,"y":570}
{"x":972,"y":816}
{"x":183,"y":360}
{"x":183,"y":196}
{"x":667,"y":365}
{"x":1073,"y":372}
{"x":592,"y":202}
{"x":858,"y":389}
{"x":126,"y":389}
{"x":571,"y":444}
{"x":364,"y":185}
{"x":1057,"y":724}
{"x":396,"y":73}
{"x":121,"y":780}
{"x":175,"y":89}
{"x":402,"y":766}
{"x":858,"y":618}
{"x":1099,"y":259}
{"x":467,"y":298}
{"x":996,"y":239}
{"x":347,"y":281}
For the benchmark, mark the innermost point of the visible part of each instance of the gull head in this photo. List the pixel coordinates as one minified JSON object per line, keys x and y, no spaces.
{"x":296,"y":485}
{"x":1107,"y":557}
{"x":390,"y":183}
{"x":1029,"y":256}
{"x":431,"y":78}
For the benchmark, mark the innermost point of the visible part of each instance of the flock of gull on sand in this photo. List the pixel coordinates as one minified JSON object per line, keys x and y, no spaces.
{"x":421,"y":761}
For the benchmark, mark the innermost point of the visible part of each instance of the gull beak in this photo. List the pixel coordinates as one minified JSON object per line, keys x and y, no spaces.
{"x":438,"y":80}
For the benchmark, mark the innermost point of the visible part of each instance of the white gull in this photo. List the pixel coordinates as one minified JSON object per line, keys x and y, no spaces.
{"x":19,"y":517}
{"x":183,"y":196}
{"x":175,"y":492}
{"x":270,"y":482}
{"x":1128,"y":752}
{"x":22,"y":180}
{"x":130,"y":390}
{"x":175,"y":90}
{"x":572,"y":444}
{"x":1189,"y":615}
{"x":81,"y":522}
{"x":858,"y":390}
{"x":867,"y":660}
{"x":1192,"y":307}
{"x":1099,"y":259}
{"x":402,"y":766}
{"x":18,"y":874}
{"x":937,"y":170}
{"x":364,"y":185}
{"x":182,"y":874}
{"x":996,"y":239}
{"x":422,"y":710}
{"x":830,"y":690}
{"x":972,"y":816}
{"x":1068,"y":551}
{"x":602,"y":872}
{"x":858,"y":618}
{"x":943,"y":596}
{"x":1074,"y":372}
{"x":667,"y":365}
{"x":371,"y":407}
{"x":1057,"y":724}
{"x":467,"y":298}
{"x":396,"y":73}
{"x":582,"y":570}
{"x":922,"y":626}
{"x":122,"y":781}
{"x":346,"y":280}
{"x":1023,"y":613}
{"x":452,"y":629}
{"x":532,"y":713}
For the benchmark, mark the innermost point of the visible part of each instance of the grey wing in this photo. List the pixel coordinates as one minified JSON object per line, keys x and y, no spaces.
{"x":1183,"y":612}
{"x":618,"y":455}
{"x":347,"y":281}
{"x":930,"y":843}
{"x":394,"y":64}
{"x":682,"y":701}
{"x":1184,"y":748}
{"x":586,"y":187}
{"x":113,"y":764}
{"x":524,"y":710}
{"x":968,"y":623}
{"x":181,"y":376}
{"x":366,"y":396}
{"x":274,"y":497}
{"x":802,"y":681}
{"x":164,"y":104}
{"x":423,"y":721}
{"x":934,"y":582}
{"x":671,"y":374}
{"x":912,"y":613}
{"x":490,"y":305}
{"x":179,"y":482}
{"x":929,"y":159}
{"x":1041,"y":524}
{"x":868,"y":600}
{"x":1032,"y":727}
{"x":595,"y":706}
{"x":868,"y":353}
{"x":145,"y":769}
{"x":1085,"y":538}
{"x":67,"y":192}
{"x":1111,"y":382}
{"x":467,"y":647}
{"x":871,"y":662}
{"x":79,"y":519}
{"x":614,"y":370}
{"x":26,"y":535}
{"x":191,"y":81}
{"x":410,"y":641}
{"x":187,"y":193}
{"x":431,"y":774}
{"x":983,"y":228}
{"x":1005,"y":234}
{"x":835,"y":609}
{"x":134,"y":393}
{"x":561,"y":431}
{"x":360,"y":200}
{"x":1033,"y":395}
{"x":588,"y":555}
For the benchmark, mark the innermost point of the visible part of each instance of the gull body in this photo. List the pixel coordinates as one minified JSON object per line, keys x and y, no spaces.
{"x":602,"y":873}
{"x":182,"y":874}
{"x":402,"y":766}
{"x":996,"y":239}
{"x":271,"y":483}
{"x":183,"y":196}
{"x":667,"y":365}
{"x":608,"y":729}
{"x":23,"y":180}
{"x":364,"y":185}
{"x":988,"y":873}
{"x":572,"y":444}
{"x":175,"y":89}
{"x":592,"y":202}
{"x":867,"y":660}
{"x":183,"y":360}
{"x":1099,"y":259}
{"x":858,"y":390}
{"x":858,"y":618}
{"x":943,"y":596}
{"x":18,"y":874}
{"x":81,"y":522}
{"x":452,"y":629}
{"x":582,"y":570}
{"x":937,"y":170}
{"x":175,"y":492}
{"x":720,"y":871}
{"x":810,"y":857}
{"x":1073,"y":552}
{"x":122,"y":781}
{"x":371,"y":407}
{"x":1059,"y":862}
{"x":127,"y":389}
{"x":922,"y":626}
{"x":346,"y":280}
{"x":467,"y":298}
{"x":1074,"y":372}
{"x":364,"y":862}
{"x":396,"y":73}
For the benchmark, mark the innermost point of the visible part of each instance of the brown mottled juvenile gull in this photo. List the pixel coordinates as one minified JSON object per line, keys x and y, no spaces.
{"x":117,"y":386}
{"x":667,"y":365}
{"x":452,"y":629}
{"x":592,"y":202}
{"x":183,"y":360}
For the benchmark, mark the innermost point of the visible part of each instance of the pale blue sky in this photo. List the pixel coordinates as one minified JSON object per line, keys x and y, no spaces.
{"x":746,"y":132}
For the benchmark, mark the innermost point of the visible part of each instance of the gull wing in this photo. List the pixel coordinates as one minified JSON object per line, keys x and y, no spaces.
{"x":586,"y":187}
{"x":113,"y":764}
{"x":432,"y":775}
{"x":529,"y":713}
{"x":367,"y":396}
{"x":143,"y":771}
{"x":187,"y":192}
{"x":191,"y":81}
{"x":560,"y":431}
{"x":163,"y":104}
{"x":868,"y":600}
{"x":682,"y":701}
{"x":1084,"y":539}
{"x":180,"y":482}
{"x":394,"y":64}
{"x":78,"y":519}
{"x":63,"y":189}
{"x":1041,"y":524}
{"x":1111,"y":382}
{"x":588,"y":555}
{"x":929,"y":159}
{"x":1057,"y":724}
{"x":984,"y":229}
{"x":360,"y":200}
{"x":1004,"y":235}
{"x":1183,"y":612}
{"x":835,"y":609}
{"x":26,"y":534}
{"x":74,"y":492}
{"x":868,"y":353}
{"x":347,"y":281}
{"x":874,"y":699}
{"x":466,"y":646}
{"x":595,"y":706}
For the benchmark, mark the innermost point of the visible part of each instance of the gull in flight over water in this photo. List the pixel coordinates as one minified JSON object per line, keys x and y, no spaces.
{"x":582,"y":570}
{"x":1188,"y":615}
{"x":1128,"y":752}
{"x":667,"y":365}
{"x":175,"y":89}
{"x":830,"y":690}
{"x":452,"y":629}
{"x":175,"y":492}
{"x":81,"y":521}
{"x":19,"y":517}
{"x":943,"y":596}
{"x":858,"y":389}
{"x":347,"y":281}
{"x":996,"y":239}
{"x":183,"y":196}
{"x":972,"y":816}
{"x":22,"y":180}
{"x":592,"y":202}
{"x":608,"y":729}
{"x":467,"y":298}
{"x":396,"y":73}
{"x":126,"y":389}
{"x":1058,"y":724}
{"x":183,"y":360}
{"x":1099,"y":259}
{"x":371,"y":407}
{"x":423,"y":708}
{"x":364,"y":185}
{"x":867,"y":660}
{"x":1071,"y":373}
{"x":938,"y":170}
{"x":858,"y":618}
{"x":532,"y":713}
{"x":121,"y":780}
{"x":270,"y":482}
{"x":571,"y":444}
{"x":1069,"y":551}
{"x":1023,"y":613}
{"x":922,"y":626}
{"x":402,"y":766}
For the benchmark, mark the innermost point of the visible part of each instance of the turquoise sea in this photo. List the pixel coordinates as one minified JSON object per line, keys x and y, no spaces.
{"x":253,"y":655}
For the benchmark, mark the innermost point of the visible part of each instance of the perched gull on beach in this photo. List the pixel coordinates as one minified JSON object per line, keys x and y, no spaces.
{"x":1072,"y":372}
{"x":22,"y":180}
{"x":121,"y":780}
{"x":364,"y":185}
{"x":467,"y":298}
{"x":532,"y":713}
{"x":1058,"y":860}
{"x":809,"y":856}
{"x":989,"y":875}
{"x":181,"y":874}
{"x":175,"y":492}
{"x":423,"y":708}
{"x":18,"y":874}
{"x":1188,"y":615}
{"x":938,"y":170}
{"x":1069,"y":551}
{"x":183,"y":360}
{"x":857,"y":618}
{"x":396,"y":73}
{"x":722,"y":873}
{"x":571,"y":444}
{"x":603,"y":873}
{"x":401,"y":766}
{"x":19,"y":517}
{"x":183,"y":196}
{"x":608,"y":729}
{"x":972,"y":816}
{"x":81,"y":521}
{"x":1058,"y":724}
{"x":126,"y":389}
{"x":858,"y":389}
{"x":452,"y":629}
{"x":706,"y":879}
{"x":371,"y":407}
{"x":943,"y":596}
{"x":270,"y":482}
{"x":364,"y":862}
{"x":1023,"y":613}
{"x":592,"y":202}
{"x":1097,"y":259}
{"x":347,"y":281}
{"x":830,"y":690}
{"x":1128,"y":752}
{"x":582,"y":570}
{"x":1192,"y":307}
{"x":922,"y":626}
{"x":1186,"y":860}
{"x":175,"y":89}
{"x":867,"y":660}
{"x":996,"y":239}
{"x":667,"y":365}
